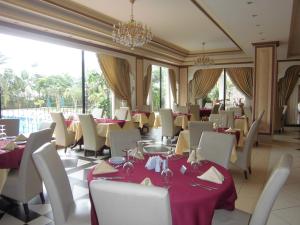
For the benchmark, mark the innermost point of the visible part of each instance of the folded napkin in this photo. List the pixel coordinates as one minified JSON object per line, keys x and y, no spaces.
{"x":230,"y":130}
{"x":212,"y":175}
{"x":147,"y":182}
{"x":103,"y":167}
{"x":195,"y":156}
{"x":136,"y":154}
{"x":154,"y":162}
{"x":10,"y":146}
{"x":21,"y":137}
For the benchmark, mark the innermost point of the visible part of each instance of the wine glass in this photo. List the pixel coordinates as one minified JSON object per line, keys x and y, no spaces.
{"x":167,"y":173}
{"x":194,"y":161}
{"x":128,"y":165}
{"x":138,"y":153}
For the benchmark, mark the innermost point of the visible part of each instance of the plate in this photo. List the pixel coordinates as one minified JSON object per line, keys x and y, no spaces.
{"x":116,"y":160}
{"x":156,"y":149}
{"x":20,"y":142}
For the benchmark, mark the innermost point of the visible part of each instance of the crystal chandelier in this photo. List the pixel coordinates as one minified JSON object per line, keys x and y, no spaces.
{"x":203,"y":60}
{"x":132,"y":33}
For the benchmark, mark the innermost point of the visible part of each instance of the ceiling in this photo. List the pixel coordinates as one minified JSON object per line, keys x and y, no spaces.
{"x":228,"y":25}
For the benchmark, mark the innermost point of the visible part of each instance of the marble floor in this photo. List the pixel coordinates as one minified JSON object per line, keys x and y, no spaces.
{"x":285,"y":211}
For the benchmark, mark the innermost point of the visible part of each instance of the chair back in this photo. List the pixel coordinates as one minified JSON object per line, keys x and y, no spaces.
{"x":260,"y":116}
{"x":60,"y":131}
{"x":146,"y":108}
{"x":237,"y":111}
{"x":97,"y":112}
{"x":128,"y":116}
{"x":56,"y":181}
{"x":215,"y":109}
{"x":196,"y":128}
{"x":216,"y":147}
{"x":248,"y":113}
{"x":47,"y":125}
{"x":194,"y":110}
{"x":133,"y":204}
{"x":268,"y":196}
{"x":182,"y":109}
{"x":121,"y":114}
{"x":167,"y":122}
{"x":91,"y":140}
{"x":123,"y":139}
{"x":208,"y":105}
{"x":230,"y":117}
{"x":11,"y":126}
{"x":28,"y":175}
{"x":219,"y":119}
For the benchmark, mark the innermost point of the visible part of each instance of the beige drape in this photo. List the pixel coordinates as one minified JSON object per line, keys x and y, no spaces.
{"x":172,"y":79}
{"x":116,"y":72}
{"x":287,"y":84}
{"x":146,"y":84}
{"x":203,"y":81}
{"x":242,"y":78}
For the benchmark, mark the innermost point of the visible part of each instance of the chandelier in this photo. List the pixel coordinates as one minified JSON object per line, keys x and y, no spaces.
{"x":204,"y":59}
{"x":132,"y":33}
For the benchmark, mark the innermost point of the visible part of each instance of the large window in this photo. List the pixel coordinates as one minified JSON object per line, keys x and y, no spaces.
{"x":38,"y":77}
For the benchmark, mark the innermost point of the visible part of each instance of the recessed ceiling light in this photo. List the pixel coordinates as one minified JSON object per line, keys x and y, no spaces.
{"x":254,"y":15}
{"x":249,"y":2}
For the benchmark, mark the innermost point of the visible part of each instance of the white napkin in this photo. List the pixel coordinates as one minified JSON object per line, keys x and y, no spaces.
{"x":147,"y":182}
{"x":103,"y":167}
{"x":212,"y":175}
{"x":195,"y":156}
{"x":10,"y":146}
{"x":21,"y":137}
{"x":136,"y":154}
{"x":153,"y":163}
{"x":158,"y":163}
{"x":230,"y":130}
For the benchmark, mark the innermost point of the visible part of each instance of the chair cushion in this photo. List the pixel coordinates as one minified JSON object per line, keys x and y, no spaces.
{"x":235,"y":217}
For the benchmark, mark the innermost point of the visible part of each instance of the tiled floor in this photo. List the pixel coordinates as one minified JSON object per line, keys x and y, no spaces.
{"x":285,"y":211}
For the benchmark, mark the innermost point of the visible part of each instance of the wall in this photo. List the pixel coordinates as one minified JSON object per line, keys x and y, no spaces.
{"x":292,"y":112}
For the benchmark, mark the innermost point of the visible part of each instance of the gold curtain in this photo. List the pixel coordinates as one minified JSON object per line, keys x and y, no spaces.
{"x":287,"y":83}
{"x":146,"y":84}
{"x":172,"y":79}
{"x":116,"y":72}
{"x":242,"y":78}
{"x":203,"y":81}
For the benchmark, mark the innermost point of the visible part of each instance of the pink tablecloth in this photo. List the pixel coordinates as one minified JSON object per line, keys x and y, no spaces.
{"x":10,"y":159}
{"x":121,"y":123}
{"x":141,"y":112}
{"x":189,"y":205}
{"x":204,"y":112}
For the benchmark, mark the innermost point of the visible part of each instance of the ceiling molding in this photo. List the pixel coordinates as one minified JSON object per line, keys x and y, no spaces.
{"x":294,"y":37}
{"x":266,"y":44}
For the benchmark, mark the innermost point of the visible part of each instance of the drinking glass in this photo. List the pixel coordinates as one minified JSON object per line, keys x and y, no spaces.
{"x":128,"y":165}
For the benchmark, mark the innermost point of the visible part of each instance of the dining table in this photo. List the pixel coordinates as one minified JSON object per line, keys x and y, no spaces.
{"x":180,"y":120}
{"x":143,"y":118}
{"x":190,"y":204}
{"x":9,"y":159}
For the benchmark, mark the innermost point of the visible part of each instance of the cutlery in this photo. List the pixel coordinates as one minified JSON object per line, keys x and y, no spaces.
{"x":110,"y":178}
{"x":204,"y":186}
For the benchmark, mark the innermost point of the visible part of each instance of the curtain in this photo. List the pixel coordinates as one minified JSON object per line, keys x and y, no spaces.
{"x":287,"y":84}
{"x":172,"y":79}
{"x":116,"y":72}
{"x":242,"y":78}
{"x":146,"y":84}
{"x":203,"y":81}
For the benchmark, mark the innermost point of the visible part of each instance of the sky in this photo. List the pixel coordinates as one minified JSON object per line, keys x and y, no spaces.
{"x":43,"y":58}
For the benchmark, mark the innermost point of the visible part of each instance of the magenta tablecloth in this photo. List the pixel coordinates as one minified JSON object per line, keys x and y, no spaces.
{"x":204,"y":112}
{"x":189,"y":205}
{"x":141,"y":112}
{"x":10,"y":159}
{"x":121,"y":123}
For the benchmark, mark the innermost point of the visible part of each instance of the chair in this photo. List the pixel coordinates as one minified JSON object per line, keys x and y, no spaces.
{"x":237,"y":111}
{"x":259,"y":118}
{"x":97,"y":112}
{"x":66,"y":210}
{"x":283,"y":118}
{"x":11,"y":126}
{"x":219,"y":119}
{"x":168,"y":128}
{"x":248,"y":113}
{"x":47,"y":125}
{"x":265,"y":202}
{"x":121,"y":114}
{"x":215,"y":109}
{"x":146,"y":108}
{"x":196,"y":128}
{"x":124,"y":108}
{"x":63,"y":136}
{"x":92,"y":141}
{"x":132,"y":204}
{"x":244,"y":154}
{"x":194,"y":110}
{"x":25,"y":183}
{"x":230,"y":117}
{"x":216,"y":147}
{"x":123,"y":139}
{"x":208,"y":105}
{"x":182,"y":109}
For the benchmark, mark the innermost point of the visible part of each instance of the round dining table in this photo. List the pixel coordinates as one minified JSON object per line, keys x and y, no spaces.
{"x":190,"y":205}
